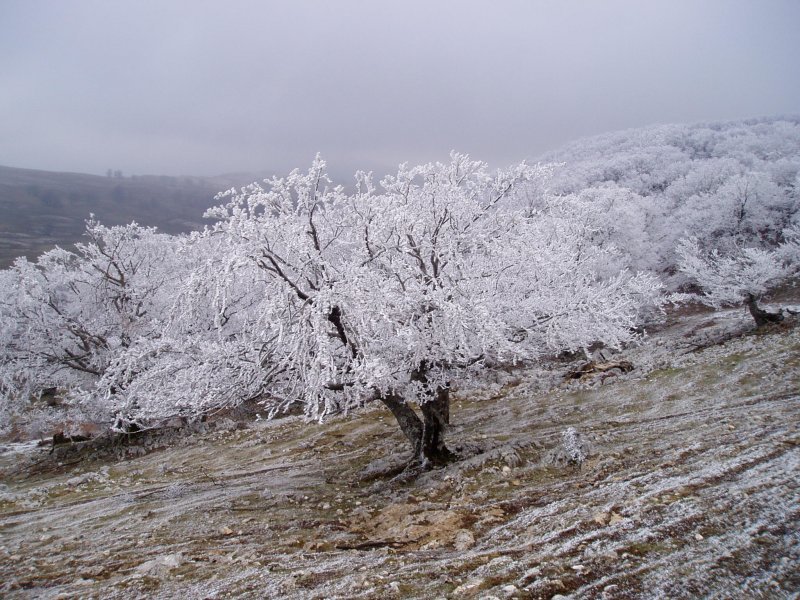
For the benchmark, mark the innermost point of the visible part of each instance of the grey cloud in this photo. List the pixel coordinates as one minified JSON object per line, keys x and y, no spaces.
{"x":188,"y":87}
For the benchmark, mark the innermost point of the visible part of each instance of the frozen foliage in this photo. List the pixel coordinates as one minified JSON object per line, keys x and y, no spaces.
{"x":740,"y":277}
{"x":574,"y":448}
{"x":66,"y":318}
{"x":391,"y":292}
{"x":726,"y":184}
{"x":690,"y":491}
{"x":304,"y":292}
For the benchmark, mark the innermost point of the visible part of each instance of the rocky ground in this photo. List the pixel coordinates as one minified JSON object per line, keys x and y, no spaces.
{"x":680,"y":479}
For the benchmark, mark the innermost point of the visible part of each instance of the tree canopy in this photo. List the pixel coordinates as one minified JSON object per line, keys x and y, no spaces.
{"x":305,"y":292}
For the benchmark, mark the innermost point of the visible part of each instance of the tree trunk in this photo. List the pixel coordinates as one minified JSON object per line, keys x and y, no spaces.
{"x":425,"y":435}
{"x":436,"y":418}
{"x":410,"y":424}
{"x":760,"y":316}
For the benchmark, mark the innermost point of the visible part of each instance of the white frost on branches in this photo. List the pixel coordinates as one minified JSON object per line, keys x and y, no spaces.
{"x":437,"y":267}
{"x":303,"y":291}
{"x":730,"y":279}
{"x":65,"y":318}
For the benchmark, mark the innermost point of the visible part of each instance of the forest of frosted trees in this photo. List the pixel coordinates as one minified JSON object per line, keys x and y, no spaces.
{"x":390,"y":290}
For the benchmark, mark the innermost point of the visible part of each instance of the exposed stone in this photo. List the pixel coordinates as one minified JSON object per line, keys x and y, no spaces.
{"x":615,"y":518}
{"x":509,"y":590}
{"x":414,"y":528}
{"x":468,"y":587}
{"x":463,"y":540}
{"x":160,"y":566}
{"x":607,"y":518}
{"x":601,"y":518}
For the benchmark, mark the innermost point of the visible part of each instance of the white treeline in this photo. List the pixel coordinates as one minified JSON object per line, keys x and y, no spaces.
{"x":727,"y":185}
{"x":389,"y":291}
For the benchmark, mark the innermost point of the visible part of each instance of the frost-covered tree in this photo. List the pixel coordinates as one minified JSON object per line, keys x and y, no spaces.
{"x":205,"y":356}
{"x":740,"y":277}
{"x":305,"y":292}
{"x":391,"y":292}
{"x":65,"y":318}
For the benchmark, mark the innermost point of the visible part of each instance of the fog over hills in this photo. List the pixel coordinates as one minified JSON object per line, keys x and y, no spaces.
{"x":41,"y":209}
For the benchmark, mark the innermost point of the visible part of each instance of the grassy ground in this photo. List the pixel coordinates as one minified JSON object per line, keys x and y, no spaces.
{"x":689,"y":489}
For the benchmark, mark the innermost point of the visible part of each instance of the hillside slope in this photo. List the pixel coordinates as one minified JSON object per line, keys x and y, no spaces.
{"x":690,"y":488}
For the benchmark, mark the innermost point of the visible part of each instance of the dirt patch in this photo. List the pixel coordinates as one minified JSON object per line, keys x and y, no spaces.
{"x":410,"y":527}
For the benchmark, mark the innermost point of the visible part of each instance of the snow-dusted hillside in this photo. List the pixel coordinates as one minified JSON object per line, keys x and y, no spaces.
{"x":689,"y":489}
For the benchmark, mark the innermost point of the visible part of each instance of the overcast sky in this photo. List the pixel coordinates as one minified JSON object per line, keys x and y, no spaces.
{"x":202,"y":88}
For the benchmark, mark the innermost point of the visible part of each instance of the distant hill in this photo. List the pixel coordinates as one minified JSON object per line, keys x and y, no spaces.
{"x":41,"y":209}
{"x":729,"y":184}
